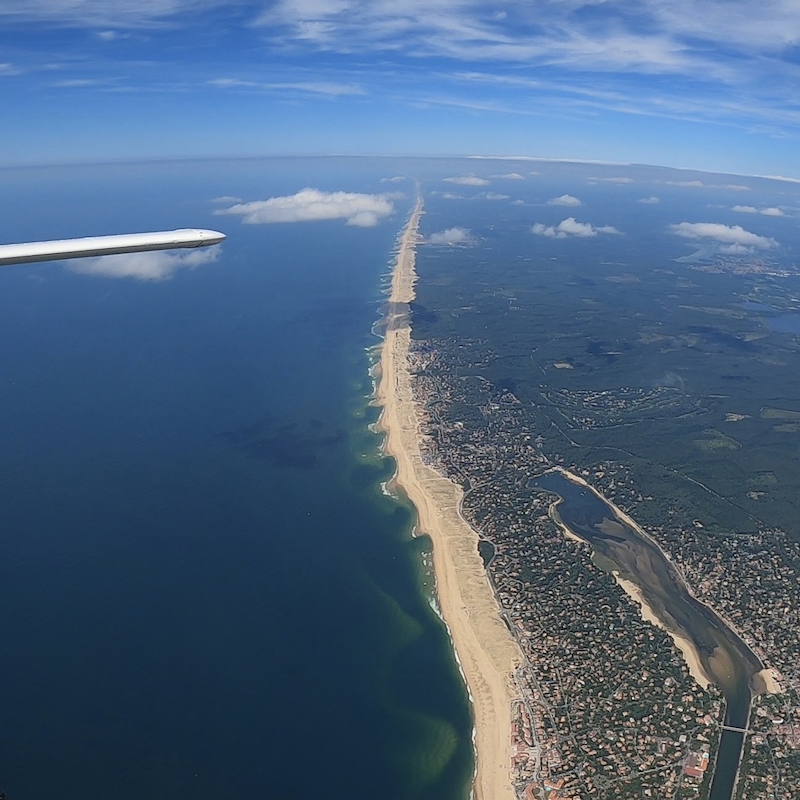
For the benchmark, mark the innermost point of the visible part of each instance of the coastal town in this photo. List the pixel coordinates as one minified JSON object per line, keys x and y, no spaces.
{"x":604,"y":704}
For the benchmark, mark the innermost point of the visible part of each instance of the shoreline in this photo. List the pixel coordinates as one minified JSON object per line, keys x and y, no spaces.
{"x":485,"y":650}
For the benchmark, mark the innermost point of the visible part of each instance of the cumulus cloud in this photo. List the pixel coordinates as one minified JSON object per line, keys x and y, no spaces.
{"x":448,"y":195}
{"x":770,"y":211}
{"x":310,"y":205}
{"x":564,"y":200}
{"x":150,"y":266}
{"x":510,"y":176}
{"x":571,"y":227}
{"x":731,"y":238}
{"x":451,"y":236}
{"x":649,"y":201}
{"x":467,"y":180}
{"x":226,"y":198}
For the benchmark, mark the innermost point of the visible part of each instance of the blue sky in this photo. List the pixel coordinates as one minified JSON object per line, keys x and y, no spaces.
{"x":708,"y":84}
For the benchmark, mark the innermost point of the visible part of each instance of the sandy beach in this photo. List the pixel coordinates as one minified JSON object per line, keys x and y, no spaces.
{"x":485,"y":649}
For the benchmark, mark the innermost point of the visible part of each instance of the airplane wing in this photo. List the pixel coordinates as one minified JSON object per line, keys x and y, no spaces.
{"x":57,"y":249}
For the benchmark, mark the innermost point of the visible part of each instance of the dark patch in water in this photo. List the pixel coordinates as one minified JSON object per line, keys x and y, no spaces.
{"x":422,"y":314}
{"x":721,"y":337}
{"x":288,"y":445}
{"x":600,"y":350}
{"x":506,"y":385}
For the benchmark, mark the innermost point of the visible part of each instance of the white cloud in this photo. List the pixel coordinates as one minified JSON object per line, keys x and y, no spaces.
{"x":615,"y":179}
{"x":151,"y":266}
{"x":693,"y":184}
{"x":737,"y":54}
{"x":735,"y":249}
{"x":716,"y":40}
{"x":363,"y":219}
{"x":393,"y":179}
{"x":744,"y":46}
{"x":310,"y":205}
{"x":226,"y":198}
{"x":326,"y":88}
{"x":510,"y":176}
{"x":780,"y":178}
{"x":80,"y":83}
{"x":649,"y":201}
{"x":571,"y":227}
{"x":451,"y":236}
{"x":467,"y":180}
{"x":564,"y":200}
{"x":734,"y":238}
{"x":698,"y":184}
{"x":496,"y":196}
{"x":770,"y":211}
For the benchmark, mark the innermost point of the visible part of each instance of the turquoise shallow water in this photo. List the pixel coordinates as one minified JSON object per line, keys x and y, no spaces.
{"x":205,"y":593}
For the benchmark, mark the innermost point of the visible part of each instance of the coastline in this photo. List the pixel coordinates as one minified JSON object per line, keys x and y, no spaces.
{"x":485,"y":650}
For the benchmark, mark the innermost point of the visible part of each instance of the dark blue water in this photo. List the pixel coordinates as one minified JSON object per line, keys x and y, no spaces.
{"x":751,"y":305}
{"x":204,"y":592}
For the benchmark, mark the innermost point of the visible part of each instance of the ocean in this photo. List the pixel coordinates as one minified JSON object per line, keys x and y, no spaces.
{"x":205,"y":592}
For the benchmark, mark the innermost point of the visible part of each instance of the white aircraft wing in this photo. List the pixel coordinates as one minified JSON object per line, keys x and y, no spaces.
{"x":57,"y":249}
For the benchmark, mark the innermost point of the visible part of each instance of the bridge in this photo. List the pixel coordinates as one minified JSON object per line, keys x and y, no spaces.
{"x":734,"y":728}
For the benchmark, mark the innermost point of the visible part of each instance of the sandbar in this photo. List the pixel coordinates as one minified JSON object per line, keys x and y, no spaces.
{"x":764,"y":681}
{"x":486,"y":650}
{"x":684,"y":645}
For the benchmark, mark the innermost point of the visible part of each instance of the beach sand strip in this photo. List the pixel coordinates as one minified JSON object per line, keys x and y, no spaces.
{"x":485,"y":649}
